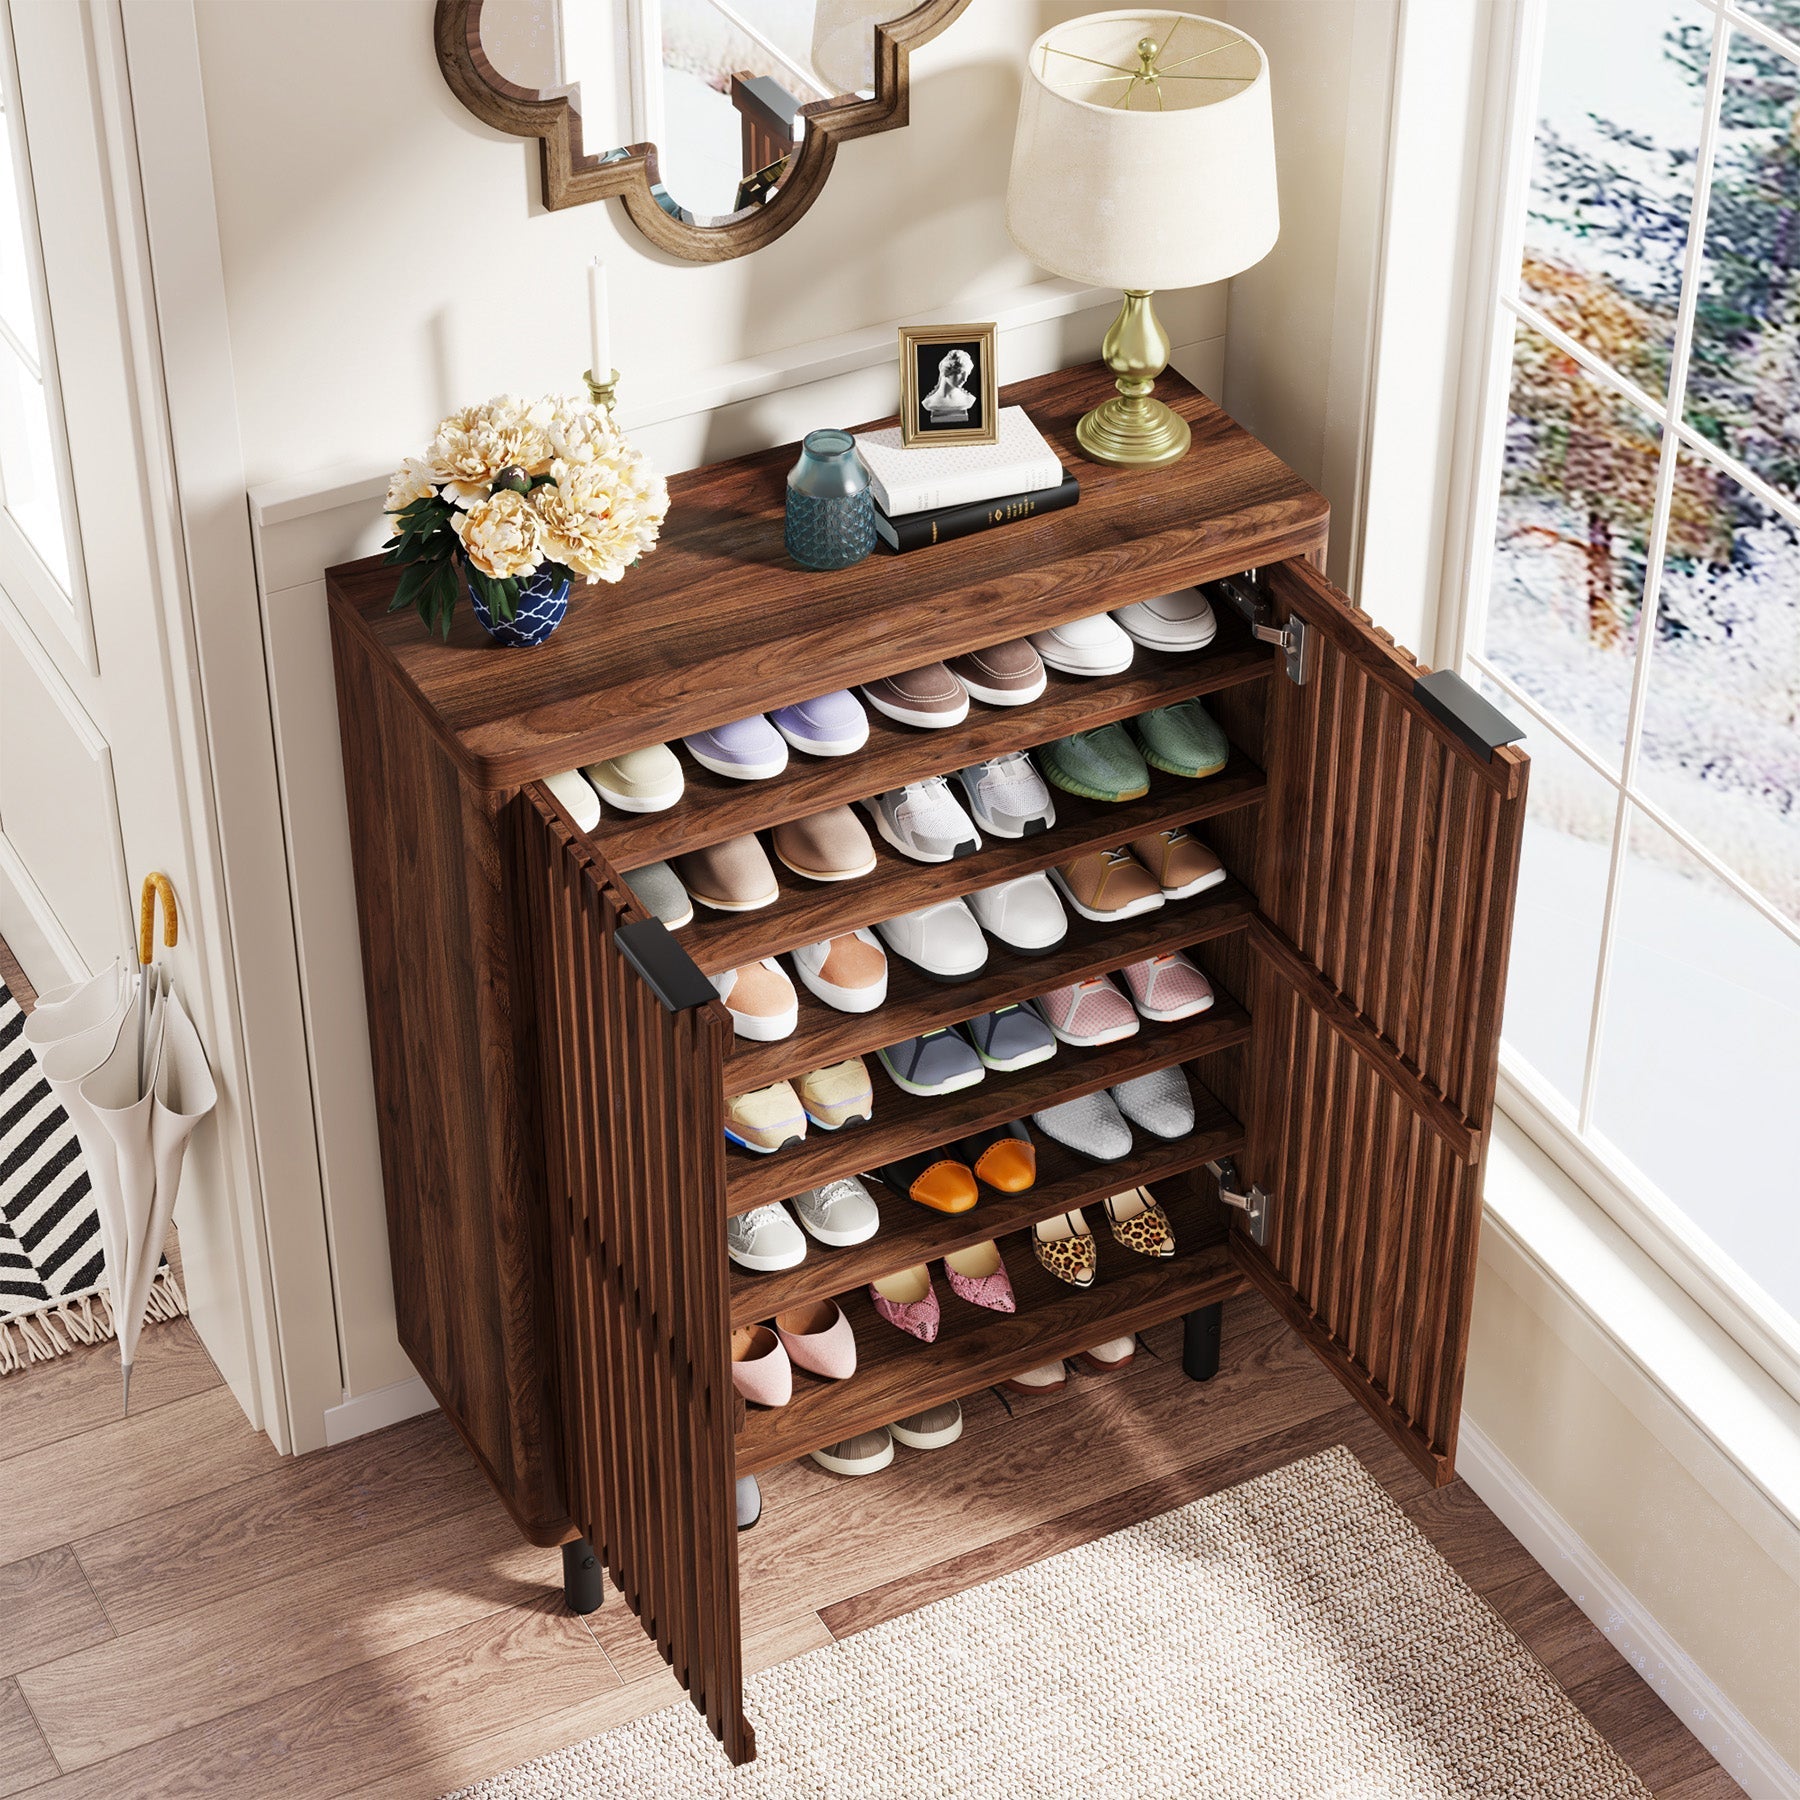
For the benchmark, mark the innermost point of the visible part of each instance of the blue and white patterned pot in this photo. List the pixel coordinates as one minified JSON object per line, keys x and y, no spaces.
{"x":538,"y":611}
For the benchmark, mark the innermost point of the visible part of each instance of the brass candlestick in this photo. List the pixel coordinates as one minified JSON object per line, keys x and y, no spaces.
{"x":1134,"y":428}
{"x":603,"y":393}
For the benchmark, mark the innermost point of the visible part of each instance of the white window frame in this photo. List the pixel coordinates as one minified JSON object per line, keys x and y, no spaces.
{"x":23,"y":571}
{"x":1751,"y":1317}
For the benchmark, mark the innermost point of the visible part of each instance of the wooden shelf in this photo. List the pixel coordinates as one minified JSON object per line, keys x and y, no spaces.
{"x":905,"y":1123}
{"x":897,"y":1375}
{"x":718,"y":622}
{"x":809,"y":911}
{"x":911,"y":1233}
{"x":916,"y":1003}
{"x":715,"y":807}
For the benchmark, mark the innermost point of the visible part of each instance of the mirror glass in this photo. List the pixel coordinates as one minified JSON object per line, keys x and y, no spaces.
{"x":717,"y":86}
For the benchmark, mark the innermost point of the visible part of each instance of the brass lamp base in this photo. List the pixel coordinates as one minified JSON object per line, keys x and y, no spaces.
{"x":1134,"y":430}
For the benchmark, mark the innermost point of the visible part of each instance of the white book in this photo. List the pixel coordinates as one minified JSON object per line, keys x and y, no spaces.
{"x":930,"y":475}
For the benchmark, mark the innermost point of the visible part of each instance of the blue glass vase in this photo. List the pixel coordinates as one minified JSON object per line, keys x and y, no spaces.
{"x":830,"y":511}
{"x":539,"y":609}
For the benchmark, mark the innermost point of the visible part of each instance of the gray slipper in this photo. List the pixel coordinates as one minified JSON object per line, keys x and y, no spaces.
{"x":1161,"y":1102}
{"x":659,"y":889}
{"x":1092,"y":1125}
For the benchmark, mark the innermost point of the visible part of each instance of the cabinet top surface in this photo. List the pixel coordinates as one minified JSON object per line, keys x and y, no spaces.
{"x":717,"y":623}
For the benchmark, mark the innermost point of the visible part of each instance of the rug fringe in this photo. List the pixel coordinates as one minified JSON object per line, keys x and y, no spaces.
{"x":62,"y":1326}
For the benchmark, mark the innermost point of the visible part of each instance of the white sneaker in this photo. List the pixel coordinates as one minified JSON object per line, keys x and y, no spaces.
{"x":922,"y":820}
{"x":760,"y":999}
{"x":1179,"y":621}
{"x":848,"y":972}
{"x":764,"y":1239}
{"x":1008,"y":796}
{"x":1093,"y":646}
{"x":1024,"y":914}
{"x":839,"y":1213}
{"x":943,"y":940}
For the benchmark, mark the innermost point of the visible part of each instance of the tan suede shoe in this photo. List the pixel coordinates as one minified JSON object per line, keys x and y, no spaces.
{"x":830,"y":846}
{"x":1108,"y":884}
{"x":735,"y":876}
{"x":1181,"y":864}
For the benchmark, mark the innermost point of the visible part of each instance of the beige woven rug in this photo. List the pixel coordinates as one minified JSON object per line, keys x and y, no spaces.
{"x":1291,"y":1639}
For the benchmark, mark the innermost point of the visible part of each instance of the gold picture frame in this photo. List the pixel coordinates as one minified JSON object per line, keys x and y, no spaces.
{"x":930,"y":412}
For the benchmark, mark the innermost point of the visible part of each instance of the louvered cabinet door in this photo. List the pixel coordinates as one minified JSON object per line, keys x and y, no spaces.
{"x":1388,"y":862}
{"x":631,"y":1042}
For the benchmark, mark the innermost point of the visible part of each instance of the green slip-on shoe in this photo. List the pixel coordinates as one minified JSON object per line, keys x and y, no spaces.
{"x":1183,"y":739}
{"x":1098,"y":765}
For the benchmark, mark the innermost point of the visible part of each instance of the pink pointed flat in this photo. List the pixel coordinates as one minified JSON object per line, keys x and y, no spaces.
{"x":818,"y":1339}
{"x":979,"y":1277}
{"x":909,"y":1301}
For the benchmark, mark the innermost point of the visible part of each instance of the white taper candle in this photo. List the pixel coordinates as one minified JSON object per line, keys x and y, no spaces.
{"x":599,"y":346}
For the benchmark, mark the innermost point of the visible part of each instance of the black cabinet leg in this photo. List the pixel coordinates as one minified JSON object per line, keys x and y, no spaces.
{"x":1200,"y":1333}
{"x":584,"y":1584}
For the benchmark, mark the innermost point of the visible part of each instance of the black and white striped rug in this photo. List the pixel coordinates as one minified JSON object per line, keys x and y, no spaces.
{"x":51,"y":1268}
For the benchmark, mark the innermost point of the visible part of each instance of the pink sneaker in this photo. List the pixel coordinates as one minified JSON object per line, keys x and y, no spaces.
{"x":909,"y":1301}
{"x":1090,"y":1011}
{"x":1167,"y":986}
{"x":979,"y":1277}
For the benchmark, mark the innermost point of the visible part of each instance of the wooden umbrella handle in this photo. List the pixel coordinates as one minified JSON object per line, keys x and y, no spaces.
{"x":156,"y":887}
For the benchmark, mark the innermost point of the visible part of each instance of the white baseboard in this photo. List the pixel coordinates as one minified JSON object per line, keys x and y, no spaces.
{"x":1624,"y":1620}
{"x":380,"y":1407}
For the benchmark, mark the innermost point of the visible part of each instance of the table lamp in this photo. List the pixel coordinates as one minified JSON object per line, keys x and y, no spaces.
{"x":1144,"y":159}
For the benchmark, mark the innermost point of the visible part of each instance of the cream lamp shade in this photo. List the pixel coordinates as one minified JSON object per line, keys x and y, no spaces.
{"x":1144,"y":158}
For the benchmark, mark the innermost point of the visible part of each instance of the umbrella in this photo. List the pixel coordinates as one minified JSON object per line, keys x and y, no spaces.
{"x":134,"y":1097}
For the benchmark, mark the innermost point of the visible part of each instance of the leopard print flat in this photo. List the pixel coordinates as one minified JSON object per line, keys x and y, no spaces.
{"x":1140,"y":1224}
{"x":1066,"y":1248}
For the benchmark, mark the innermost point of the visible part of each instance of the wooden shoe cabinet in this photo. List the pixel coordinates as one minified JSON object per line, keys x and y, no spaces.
{"x":550,"y":1064}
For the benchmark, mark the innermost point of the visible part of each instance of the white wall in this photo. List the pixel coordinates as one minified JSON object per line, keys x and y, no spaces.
{"x":386,"y":257}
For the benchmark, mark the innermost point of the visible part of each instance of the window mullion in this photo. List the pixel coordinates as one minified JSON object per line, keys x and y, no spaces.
{"x":1692,"y":262}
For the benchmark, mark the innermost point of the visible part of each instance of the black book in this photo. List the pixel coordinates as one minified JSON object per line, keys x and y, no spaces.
{"x":913,"y":531}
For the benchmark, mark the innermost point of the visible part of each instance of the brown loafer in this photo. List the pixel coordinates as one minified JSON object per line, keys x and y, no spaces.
{"x":1009,"y":674}
{"x":830,"y":846}
{"x":930,"y":698}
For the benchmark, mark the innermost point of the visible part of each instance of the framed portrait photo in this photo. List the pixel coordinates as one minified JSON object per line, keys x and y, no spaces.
{"x":949,"y":391}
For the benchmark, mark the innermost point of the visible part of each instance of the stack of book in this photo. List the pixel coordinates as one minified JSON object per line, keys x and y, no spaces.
{"x":935,"y":492}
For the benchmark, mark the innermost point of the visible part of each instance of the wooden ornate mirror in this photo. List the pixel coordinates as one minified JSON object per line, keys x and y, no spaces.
{"x":735,"y":108}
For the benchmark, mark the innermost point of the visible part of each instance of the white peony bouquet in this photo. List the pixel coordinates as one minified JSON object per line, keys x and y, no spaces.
{"x":512,"y":490}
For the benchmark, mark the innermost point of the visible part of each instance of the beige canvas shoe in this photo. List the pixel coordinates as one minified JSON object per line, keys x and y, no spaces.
{"x":838,"y":1096}
{"x":640,"y":781}
{"x":760,"y":999}
{"x":766,"y":1119}
{"x":830,"y":846}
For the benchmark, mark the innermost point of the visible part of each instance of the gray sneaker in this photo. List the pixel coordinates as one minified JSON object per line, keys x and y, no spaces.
{"x":1092,"y":1125}
{"x":659,"y":888}
{"x":923,"y":820}
{"x":1007,"y":796}
{"x":1014,"y":1037}
{"x":940,"y":1062}
{"x":763,"y":1239}
{"x":868,"y":1453}
{"x":838,"y":1213}
{"x":1161,"y":1102}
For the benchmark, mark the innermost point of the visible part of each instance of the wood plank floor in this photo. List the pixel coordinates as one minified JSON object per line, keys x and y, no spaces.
{"x":214,"y":1620}
{"x":184,"y":1613}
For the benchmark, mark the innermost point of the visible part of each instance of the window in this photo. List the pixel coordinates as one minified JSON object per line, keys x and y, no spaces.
{"x":1634,"y":601}
{"x":33,"y":490}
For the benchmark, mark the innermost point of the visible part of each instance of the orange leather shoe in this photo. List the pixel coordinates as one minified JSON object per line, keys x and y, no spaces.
{"x":1004,"y":1157}
{"x":934,"y":1180}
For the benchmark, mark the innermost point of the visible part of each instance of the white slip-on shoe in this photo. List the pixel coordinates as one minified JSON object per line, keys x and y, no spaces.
{"x":760,"y":999}
{"x":1176,"y":622}
{"x":1024,"y":914}
{"x":848,"y":972}
{"x":1091,"y":646}
{"x":577,"y":796}
{"x":943,"y":940}
{"x":923,"y":821}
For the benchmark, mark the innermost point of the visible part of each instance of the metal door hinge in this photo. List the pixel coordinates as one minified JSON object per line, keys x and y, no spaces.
{"x":1294,"y":639}
{"x":1250,"y":1200}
